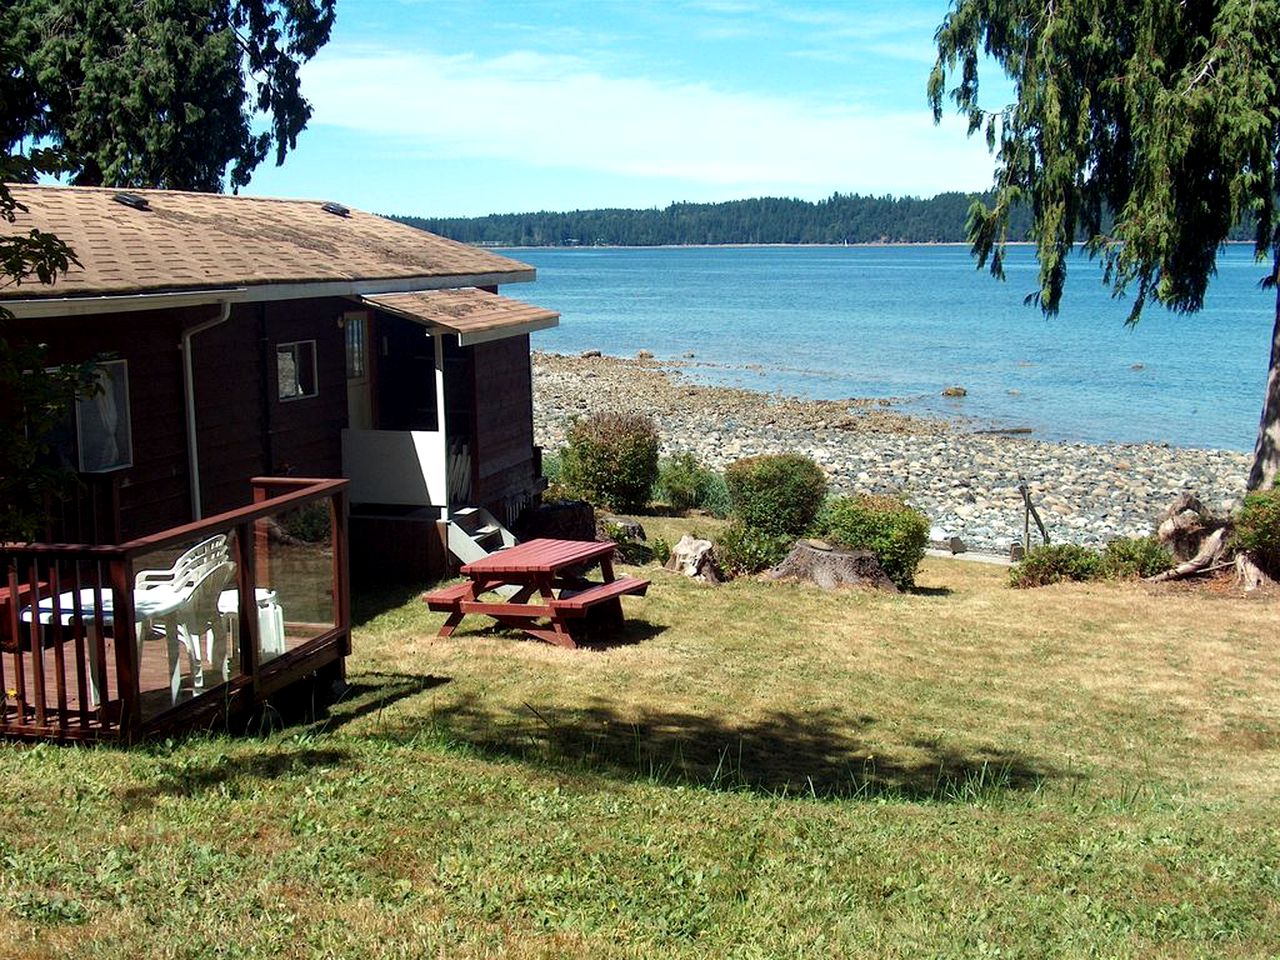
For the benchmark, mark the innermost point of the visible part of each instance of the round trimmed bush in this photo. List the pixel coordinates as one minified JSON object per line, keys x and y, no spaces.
{"x":896,"y":533}
{"x":612,"y":460}
{"x":1054,"y":562}
{"x":777,"y":494}
{"x":1130,"y":557}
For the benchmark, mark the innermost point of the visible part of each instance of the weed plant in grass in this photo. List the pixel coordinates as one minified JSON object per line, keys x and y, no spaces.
{"x":754,"y":770}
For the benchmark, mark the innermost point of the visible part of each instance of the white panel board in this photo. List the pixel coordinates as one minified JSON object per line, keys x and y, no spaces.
{"x":395,"y":467}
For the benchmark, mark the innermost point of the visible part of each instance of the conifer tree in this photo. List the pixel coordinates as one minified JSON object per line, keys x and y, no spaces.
{"x":1162,"y":112}
{"x":158,"y":93}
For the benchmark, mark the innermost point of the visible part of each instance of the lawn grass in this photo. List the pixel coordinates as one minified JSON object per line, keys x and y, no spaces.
{"x":755,"y":770}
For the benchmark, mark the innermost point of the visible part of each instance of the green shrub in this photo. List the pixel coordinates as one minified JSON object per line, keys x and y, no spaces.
{"x":715,"y":499}
{"x":896,"y":533}
{"x":612,"y":460}
{"x":778,"y":494}
{"x":309,"y":524}
{"x":1130,"y":557}
{"x":1054,"y":562}
{"x":1257,"y":528}
{"x":632,"y":550}
{"x":661,"y":550}
{"x":552,"y":465}
{"x":742,"y":550}
{"x":683,"y":481}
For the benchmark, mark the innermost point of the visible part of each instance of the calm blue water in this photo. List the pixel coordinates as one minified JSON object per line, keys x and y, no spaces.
{"x":905,"y":322}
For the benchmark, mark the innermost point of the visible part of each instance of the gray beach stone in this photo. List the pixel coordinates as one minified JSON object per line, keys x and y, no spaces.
{"x":965,"y":482}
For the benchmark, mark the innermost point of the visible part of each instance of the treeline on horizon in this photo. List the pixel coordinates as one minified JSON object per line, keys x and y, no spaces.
{"x":842,"y":218}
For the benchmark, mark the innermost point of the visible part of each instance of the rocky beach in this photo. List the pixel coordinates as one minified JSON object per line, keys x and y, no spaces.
{"x":964,"y":479}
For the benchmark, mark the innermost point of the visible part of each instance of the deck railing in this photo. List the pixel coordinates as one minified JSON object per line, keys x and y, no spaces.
{"x":87,"y":651}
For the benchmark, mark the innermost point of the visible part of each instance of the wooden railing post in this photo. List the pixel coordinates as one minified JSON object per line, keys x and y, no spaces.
{"x":247,"y":559}
{"x":341,"y":568}
{"x":36,"y":637}
{"x":261,"y":537}
{"x":125,"y":632}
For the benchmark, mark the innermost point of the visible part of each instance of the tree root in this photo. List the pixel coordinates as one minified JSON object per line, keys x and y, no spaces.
{"x":1249,"y":575}
{"x":1209,"y":555}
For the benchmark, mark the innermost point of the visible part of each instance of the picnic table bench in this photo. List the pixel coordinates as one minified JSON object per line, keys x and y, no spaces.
{"x":550,"y":603}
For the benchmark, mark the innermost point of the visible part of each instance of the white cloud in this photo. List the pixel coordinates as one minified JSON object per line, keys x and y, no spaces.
{"x":558,"y":111}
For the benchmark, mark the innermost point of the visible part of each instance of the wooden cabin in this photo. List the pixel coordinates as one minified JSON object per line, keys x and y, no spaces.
{"x":251,"y":350}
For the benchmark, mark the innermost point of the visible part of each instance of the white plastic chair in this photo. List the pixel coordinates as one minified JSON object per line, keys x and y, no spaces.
{"x":187,"y":593}
{"x":179,"y":603}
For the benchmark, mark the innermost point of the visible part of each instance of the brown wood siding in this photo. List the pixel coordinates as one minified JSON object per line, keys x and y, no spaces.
{"x":503,"y":458}
{"x":229,"y":415}
{"x":243,"y":428}
{"x":305,"y":435}
{"x":153,"y":492}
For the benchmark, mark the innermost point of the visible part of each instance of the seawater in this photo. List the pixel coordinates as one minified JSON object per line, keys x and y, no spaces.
{"x":907,"y":322}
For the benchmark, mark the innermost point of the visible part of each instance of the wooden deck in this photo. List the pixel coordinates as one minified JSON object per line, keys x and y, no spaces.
{"x":153,"y":676}
{"x":47,"y":693}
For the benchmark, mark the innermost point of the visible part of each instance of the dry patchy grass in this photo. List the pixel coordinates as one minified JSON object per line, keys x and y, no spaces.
{"x":796,"y":688}
{"x":759,"y":770}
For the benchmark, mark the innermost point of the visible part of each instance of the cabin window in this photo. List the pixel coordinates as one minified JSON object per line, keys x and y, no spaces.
{"x":296,"y":370}
{"x":355,"y":326}
{"x":104,"y":431}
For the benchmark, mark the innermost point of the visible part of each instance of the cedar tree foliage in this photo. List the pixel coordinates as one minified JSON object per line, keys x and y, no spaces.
{"x":158,"y":93}
{"x":1149,"y":127}
{"x":33,"y":399}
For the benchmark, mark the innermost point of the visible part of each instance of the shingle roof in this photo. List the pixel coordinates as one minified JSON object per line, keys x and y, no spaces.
{"x":475,"y":315}
{"x":194,"y":241}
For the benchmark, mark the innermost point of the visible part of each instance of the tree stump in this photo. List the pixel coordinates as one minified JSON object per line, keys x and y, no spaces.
{"x":816,"y":562}
{"x":695,"y":559}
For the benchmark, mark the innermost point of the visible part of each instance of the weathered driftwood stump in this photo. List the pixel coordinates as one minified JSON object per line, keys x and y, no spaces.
{"x":695,"y":559}
{"x":816,"y":562}
{"x":1201,"y":542}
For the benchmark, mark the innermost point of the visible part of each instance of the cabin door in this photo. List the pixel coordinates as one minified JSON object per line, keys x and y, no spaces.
{"x":359,"y":383}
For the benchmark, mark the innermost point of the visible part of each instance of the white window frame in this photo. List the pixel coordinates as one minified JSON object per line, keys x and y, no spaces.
{"x":107,"y":408}
{"x":351,"y":322}
{"x":293,"y":345}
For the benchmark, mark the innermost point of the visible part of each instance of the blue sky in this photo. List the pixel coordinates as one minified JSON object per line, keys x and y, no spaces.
{"x":467,"y":107}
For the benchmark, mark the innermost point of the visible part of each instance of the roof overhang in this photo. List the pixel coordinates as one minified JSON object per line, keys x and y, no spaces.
{"x":474,"y":316}
{"x":79,"y":306}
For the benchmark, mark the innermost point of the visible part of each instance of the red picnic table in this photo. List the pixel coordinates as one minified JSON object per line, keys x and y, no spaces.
{"x":546,"y":590}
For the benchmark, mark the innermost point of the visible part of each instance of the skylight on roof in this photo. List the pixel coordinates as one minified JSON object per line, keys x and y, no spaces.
{"x":133,"y":200}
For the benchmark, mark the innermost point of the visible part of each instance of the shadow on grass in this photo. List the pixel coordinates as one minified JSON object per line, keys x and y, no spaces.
{"x":185,"y":775}
{"x":633,"y":631}
{"x":819,"y":754}
{"x":372,"y":692}
{"x":368,"y":602}
{"x":931,"y":591}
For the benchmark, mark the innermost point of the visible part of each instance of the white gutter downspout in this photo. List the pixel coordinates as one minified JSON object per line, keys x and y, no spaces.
{"x":189,"y":384}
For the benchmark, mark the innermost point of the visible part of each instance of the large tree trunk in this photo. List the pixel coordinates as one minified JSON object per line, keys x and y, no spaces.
{"x":1266,"y":452}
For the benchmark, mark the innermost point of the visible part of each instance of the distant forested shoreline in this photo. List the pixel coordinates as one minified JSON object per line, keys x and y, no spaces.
{"x":842,"y":218}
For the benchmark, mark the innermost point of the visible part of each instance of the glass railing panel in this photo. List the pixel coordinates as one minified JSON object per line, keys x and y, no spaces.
{"x":186,"y":614}
{"x":295,"y":577}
